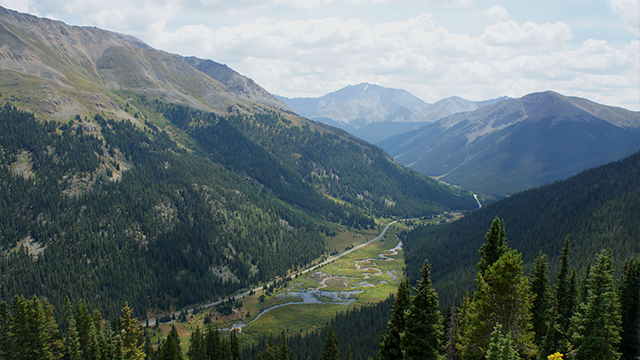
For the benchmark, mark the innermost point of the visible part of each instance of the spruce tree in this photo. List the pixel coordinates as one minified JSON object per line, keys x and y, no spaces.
{"x":501,"y":346}
{"x":171,"y":349}
{"x":84,"y":323}
{"x":390,"y":346}
{"x":463,"y":319}
{"x":148,"y":348}
{"x":72,"y":350}
{"x":5,"y":340}
{"x":562,"y":308}
{"x":197,"y":347}
{"x":213,"y":343}
{"x":331,"y":351}
{"x":539,"y":288}
{"x":495,"y":245}
{"x":283,"y":349}
{"x":347,"y":356}
{"x":597,"y":322}
{"x":271,"y":352}
{"x":630,"y":310}
{"x":234,"y":345}
{"x":503,"y":297}
{"x":422,"y":335}
{"x":131,"y":333}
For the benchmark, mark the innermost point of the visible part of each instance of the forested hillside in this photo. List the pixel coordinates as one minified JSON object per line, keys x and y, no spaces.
{"x":112,"y":213}
{"x":511,"y":315}
{"x":117,"y":210}
{"x":598,"y":209}
{"x":302,"y":165}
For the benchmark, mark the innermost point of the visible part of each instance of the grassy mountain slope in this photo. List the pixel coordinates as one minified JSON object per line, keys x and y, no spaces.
{"x":598,"y":209}
{"x":57,"y":71}
{"x":530,"y":141}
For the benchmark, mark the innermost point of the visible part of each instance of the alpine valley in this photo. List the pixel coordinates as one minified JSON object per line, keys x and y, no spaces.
{"x":140,"y":183}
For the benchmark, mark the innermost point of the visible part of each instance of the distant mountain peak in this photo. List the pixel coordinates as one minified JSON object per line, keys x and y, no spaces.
{"x":529,"y":141}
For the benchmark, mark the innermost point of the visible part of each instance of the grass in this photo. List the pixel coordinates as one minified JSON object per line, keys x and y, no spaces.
{"x":303,"y":318}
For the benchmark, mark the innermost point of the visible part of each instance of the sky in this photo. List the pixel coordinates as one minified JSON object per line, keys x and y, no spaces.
{"x":474,"y":49}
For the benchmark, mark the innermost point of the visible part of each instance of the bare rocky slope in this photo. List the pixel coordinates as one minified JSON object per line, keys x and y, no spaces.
{"x":74,"y":70}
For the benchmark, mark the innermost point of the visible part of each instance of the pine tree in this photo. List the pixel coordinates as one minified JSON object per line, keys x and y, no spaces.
{"x":148,"y":348}
{"x":5,"y":323}
{"x":235,"y":347}
{"x":34,"y":331}
{"x":347,"y":356}
{"x":630,"y":310}
{"x":331,"y":351}
{"x":563,"y":304}
{"x":540,"y":310}
{"x":390,"y":346}
{"x":462,"y":327}
{"x":197,"y":347}
{"x":84,"y":323}
{"x":495,"y":245}
{"x":503,"y":297}
{"x":451,"y":330}
{"x":72,"y":350}
{"x":597,"y":322}
{"x":171,"y":349}
{"x":422,"y":336}
{"x":271,"y":352}
{"x":213,"y":344}
{"x":283,"y":349}
{"x":131,"y":333}
{"x":501,"y":346}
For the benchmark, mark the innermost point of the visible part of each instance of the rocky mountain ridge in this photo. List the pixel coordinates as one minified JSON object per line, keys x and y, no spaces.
{"x":78,"y":70}
{"x":520,"y":143}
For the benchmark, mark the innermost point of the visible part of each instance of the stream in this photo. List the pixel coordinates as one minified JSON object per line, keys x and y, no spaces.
{"x":319,"y":296}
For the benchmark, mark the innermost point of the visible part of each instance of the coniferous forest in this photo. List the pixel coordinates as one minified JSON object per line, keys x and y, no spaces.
{"x":508,"y":316}
{"x":173,"y":230}
{"x":120,"y":218}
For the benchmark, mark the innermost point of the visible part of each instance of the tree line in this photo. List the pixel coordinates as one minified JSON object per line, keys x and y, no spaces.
{"x":597,"y":208}
{"x":512,"y":316}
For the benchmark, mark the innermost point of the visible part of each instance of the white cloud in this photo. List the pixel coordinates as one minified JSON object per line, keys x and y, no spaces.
{"x":498,"y":13}
{"x":314,"y":56}
{"x":17,"y":5}
{"x":311,"y":47}
{"x":629,"y":10}
{"x":530,"y":35}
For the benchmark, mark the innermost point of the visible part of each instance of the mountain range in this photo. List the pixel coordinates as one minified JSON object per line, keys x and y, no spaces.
{"x":59,"y":71}
{"x":132,"y":174}
{"x":517,"y":144}
{"x":373,"y":113}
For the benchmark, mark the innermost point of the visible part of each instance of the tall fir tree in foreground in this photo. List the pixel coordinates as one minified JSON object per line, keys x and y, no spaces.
{"x":495,"y":245}
{"x":630,"y":310}
{"x":131,"y":334}
{"x":390,"y":344}
{"x":503,"y":297}
{"x":422,"y":336}
{"x":539,"y":288}
{"x":597,"y":321}
{"x":562,"y":308}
